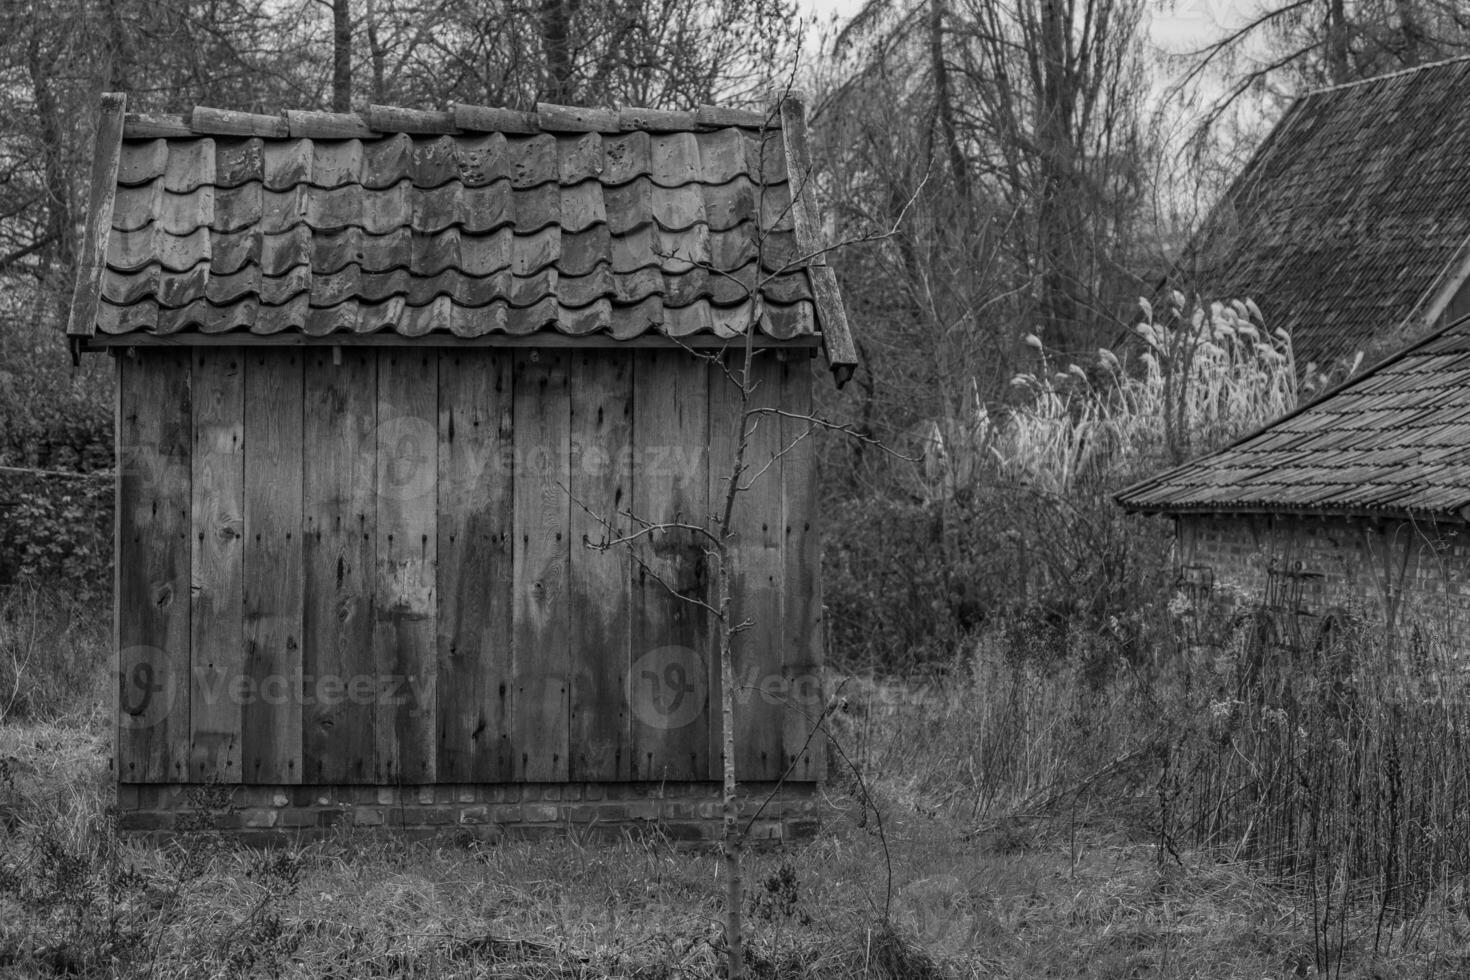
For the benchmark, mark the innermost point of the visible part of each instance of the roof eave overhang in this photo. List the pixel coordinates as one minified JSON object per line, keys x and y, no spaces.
{"x":702,"y":342}
{"x":1459,"y":515}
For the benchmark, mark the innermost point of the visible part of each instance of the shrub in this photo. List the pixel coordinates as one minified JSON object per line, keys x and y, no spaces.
{"x":1016,"y":528}
{"x":56,"y":527}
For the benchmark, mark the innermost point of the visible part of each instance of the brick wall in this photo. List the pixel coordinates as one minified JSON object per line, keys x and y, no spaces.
{"x":686,"y":811}
{"x":1412,"y":578}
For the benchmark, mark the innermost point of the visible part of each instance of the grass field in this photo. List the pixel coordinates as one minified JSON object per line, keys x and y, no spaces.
{"x":1032,"y":903}
{"x":924,"y":868}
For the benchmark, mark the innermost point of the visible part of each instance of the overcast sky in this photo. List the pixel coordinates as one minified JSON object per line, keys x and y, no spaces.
{"x":1176,"y":26}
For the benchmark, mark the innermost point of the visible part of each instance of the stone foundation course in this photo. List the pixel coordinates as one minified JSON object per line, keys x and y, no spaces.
{"x":682,"y":812}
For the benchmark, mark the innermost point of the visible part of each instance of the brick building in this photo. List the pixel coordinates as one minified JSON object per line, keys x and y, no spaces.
{"x":1356,"y":503}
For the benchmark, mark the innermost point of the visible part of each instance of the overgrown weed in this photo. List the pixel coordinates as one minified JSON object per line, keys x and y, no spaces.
{"x":54,"y":654}
{"x":1014,"y":524}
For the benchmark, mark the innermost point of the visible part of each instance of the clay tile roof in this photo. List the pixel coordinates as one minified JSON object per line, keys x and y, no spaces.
{"x":466,"y":223}
{"x":1351,"y":220}
{"x":1393,"y":441}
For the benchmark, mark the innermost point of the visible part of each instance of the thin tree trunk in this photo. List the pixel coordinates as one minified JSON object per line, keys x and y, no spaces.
{"x":341,"y":56}
{"x":1409,"y":32}
{"x":375,"y":51}
{"x":731,"y":842}
{"x":944,"y":100}
{"x":1058,"y":223}
{"x":59,"y":256}
{"x":1337,"y":42}
{"x":117,"y":49}
{"x":556,"y":17}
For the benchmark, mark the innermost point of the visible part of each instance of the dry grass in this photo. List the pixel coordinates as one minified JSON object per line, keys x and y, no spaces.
{"x":1207,"y":373}
{"x":1074,"y":893}
{"x":361,"y":906}
{"x":52,"y":648}
{"x":1003,"y":822}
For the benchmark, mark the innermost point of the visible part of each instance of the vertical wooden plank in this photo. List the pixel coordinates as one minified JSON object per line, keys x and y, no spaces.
{"x":757,"y":571}
{"x":218,"y":529}
{"x":601,"y":581}
{"x":669,"y":678}
{"x":475,"y":565}
{"x":271,"y":714}
{"x":339,"y":524}
{"x":803,"y":749}
{"x":407,"y":497}
{"x":540,"y":646}
{"x":153,"y":575}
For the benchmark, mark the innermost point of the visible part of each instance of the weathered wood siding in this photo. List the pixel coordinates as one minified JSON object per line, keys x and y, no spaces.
{"x":385,"y":566}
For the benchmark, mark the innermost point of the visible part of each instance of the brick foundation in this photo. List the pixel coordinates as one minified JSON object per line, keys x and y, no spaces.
{"x":679,"y":811}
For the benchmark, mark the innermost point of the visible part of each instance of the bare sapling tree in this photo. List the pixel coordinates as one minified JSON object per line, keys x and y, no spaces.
{"x":719,"y":531}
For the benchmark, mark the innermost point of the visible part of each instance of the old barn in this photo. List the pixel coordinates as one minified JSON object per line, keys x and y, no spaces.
{"x":1348,"y":226}
{"x":1355,"y":505}
{"x":382,"y":380}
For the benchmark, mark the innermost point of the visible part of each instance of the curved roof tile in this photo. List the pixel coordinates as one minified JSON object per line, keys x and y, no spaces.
{"x":576,"y":222}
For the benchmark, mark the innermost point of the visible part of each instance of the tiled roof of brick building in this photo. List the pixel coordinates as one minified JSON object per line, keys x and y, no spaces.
{"x":1353,"y":216}
{"x":464,"y":223}
{"x":1394,"y":440}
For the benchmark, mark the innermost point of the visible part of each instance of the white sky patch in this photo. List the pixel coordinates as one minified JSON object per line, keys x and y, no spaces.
{"x":1182,"y":26}
{"x":825,"y":9}
{"x":1174,"y":26}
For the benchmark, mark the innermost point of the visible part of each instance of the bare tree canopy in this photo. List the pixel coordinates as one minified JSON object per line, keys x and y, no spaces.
{"x":1286,"y":47}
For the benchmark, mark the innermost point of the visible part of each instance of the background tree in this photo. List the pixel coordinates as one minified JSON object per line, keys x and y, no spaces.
{"x":1286,"y":47}
{"x":1013,"y":136}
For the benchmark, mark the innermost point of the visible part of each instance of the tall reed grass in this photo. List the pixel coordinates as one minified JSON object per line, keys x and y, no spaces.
{"x":1016,"y":523}
{"x":1339,"y":771}
{"x":1202,"y":374}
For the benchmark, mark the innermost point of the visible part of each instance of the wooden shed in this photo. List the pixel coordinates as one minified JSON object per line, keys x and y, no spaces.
{"x":382,"y":377}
